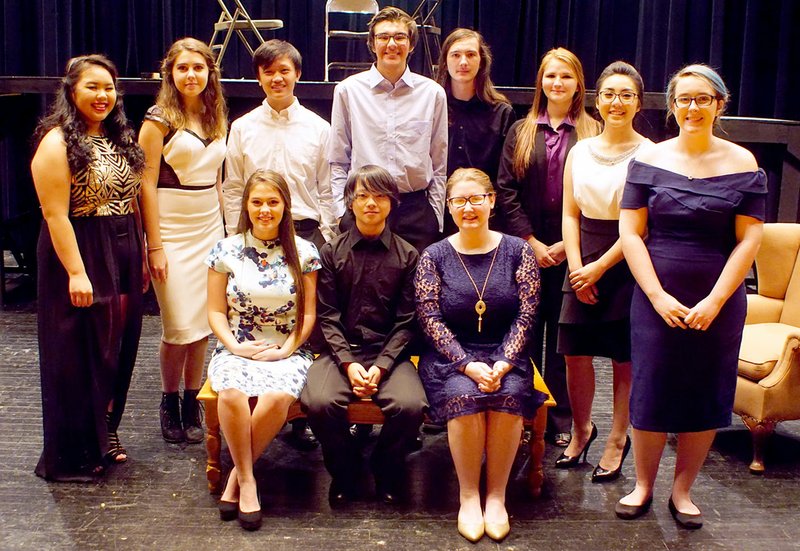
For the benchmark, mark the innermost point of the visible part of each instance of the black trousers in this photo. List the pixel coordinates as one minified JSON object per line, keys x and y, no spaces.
{"x":553,"y":369}
{"x":401,"y":399}
{"x":413,"y":219}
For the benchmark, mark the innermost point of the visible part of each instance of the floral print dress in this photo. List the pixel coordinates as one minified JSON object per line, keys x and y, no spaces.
{"x":261,"y":305}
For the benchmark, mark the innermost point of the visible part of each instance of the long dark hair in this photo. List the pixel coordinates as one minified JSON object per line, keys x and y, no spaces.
{"x":63,"y":114}
{"x":285,"y":232}
{"x":214,"y":115}
{"x":484,"y":87}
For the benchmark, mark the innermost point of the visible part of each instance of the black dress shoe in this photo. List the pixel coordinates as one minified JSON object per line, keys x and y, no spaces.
{"x":302,"y":439}
{"x":685,"y":520}
{"x":361,"y":434}
{"x":561,"y":439}
{"x":386,"y":489}
{"x":630,"y":512}
{"x":388,"y":496}
{"x":339,"y":494}
{"x":564,"y":461}
{"x":603,"y":475}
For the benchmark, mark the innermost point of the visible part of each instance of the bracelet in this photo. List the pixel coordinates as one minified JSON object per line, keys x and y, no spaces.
{"x":151,"y":249}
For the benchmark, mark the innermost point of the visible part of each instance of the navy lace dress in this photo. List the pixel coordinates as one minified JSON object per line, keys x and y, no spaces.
{"x":684,"y":380}
{"x":446,"y":310}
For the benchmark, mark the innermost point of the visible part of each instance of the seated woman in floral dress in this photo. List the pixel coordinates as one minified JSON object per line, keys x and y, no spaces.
{"x":262,"y":307}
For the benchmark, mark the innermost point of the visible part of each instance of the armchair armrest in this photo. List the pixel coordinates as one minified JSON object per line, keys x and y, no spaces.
{"x":788,"y":364}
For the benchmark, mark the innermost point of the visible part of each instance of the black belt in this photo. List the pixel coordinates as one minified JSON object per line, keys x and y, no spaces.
{"x":170,"y":185}
{"x":307,"y":224}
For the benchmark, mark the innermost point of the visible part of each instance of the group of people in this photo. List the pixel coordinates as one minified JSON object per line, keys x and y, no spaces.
{"x":604,"y":244}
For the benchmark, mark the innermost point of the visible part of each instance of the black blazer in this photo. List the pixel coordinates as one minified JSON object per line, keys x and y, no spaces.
{"x":519,"y":202}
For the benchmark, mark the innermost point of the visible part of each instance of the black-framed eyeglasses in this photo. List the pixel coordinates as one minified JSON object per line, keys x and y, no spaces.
{"x":702,"y":100}
{"x":461,"y":202}
{"x":607,"y":96}
{"x":399,"y":38}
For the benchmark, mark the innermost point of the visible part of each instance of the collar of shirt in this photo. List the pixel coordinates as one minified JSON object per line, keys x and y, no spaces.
{"x":375,"y":78}
{"x":356,"y":240}
{"x":472,"y":104}
{"x":284,"y":114}
{"x":544,"y":118}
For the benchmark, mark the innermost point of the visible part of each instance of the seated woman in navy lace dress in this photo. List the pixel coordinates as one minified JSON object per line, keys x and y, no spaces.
{"x":477,"y":293}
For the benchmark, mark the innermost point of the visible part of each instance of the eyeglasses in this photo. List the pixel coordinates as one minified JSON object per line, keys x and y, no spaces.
{"x":461,"y":202}
{"x":608,"y":96}
{"x":703,"y":100}
{"x":399,"y":38}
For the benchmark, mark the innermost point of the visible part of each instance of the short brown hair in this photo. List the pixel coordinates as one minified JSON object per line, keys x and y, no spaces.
{"x":390,"y":13}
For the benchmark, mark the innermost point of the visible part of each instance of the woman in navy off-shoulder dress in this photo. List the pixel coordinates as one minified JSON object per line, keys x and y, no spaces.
{"x":700,"y":201}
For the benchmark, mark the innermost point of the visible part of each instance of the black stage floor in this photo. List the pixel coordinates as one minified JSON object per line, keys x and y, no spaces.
{"x":158,"y":499}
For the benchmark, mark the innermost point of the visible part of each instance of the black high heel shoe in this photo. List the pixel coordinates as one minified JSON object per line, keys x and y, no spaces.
{"x":604,"y":475}
{"x":251,"y":521}
{"x":228,"y":510}
{"x":564,"y":461}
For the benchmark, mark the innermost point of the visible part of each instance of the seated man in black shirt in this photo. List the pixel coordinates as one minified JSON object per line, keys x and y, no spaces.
{"x":366,"y":313}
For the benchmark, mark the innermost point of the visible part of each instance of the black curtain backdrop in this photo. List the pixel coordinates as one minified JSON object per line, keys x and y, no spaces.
{"x":750,"y":41}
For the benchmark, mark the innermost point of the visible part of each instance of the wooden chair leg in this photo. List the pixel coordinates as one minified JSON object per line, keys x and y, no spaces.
{"x":536,"y":473}
{"x":760,"y":431}
{"x":213,"y":447}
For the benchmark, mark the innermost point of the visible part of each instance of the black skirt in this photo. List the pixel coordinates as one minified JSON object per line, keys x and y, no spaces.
{"x":601,"y":329}
{"x":86,"y":355}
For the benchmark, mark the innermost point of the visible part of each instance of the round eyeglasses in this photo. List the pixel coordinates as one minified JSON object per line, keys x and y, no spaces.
{"x":703,"y":100}
{"x":461,"y":202}
{"x":608,"y":96}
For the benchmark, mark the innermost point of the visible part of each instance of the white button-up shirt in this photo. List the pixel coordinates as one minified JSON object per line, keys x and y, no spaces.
{"x":400,"y":127}
{"x":293,"y":143}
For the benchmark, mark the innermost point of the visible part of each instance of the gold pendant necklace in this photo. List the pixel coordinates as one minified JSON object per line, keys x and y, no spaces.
{"x":480,"y":306}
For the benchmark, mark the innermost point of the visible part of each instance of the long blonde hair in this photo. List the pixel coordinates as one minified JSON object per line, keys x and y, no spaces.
{"x":214,"y":113}
{"x":585,"y":125}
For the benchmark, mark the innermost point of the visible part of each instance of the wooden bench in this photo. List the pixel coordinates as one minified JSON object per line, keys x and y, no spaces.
{"x":365,"y":412}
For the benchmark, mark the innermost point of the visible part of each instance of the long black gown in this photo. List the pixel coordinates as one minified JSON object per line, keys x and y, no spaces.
{"x":684,"y":380}
{"x":446,"y":309}
{"x":86,"y":355}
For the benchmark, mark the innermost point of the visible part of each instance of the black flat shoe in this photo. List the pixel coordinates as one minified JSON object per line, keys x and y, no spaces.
{"x":630,"y":512}
{"x":685,"y":520}
{"x":566,"y":462}
{"x":603,"y":475}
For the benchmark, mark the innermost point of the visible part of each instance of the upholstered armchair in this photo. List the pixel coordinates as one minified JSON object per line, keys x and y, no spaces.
{"x":768,"y":386}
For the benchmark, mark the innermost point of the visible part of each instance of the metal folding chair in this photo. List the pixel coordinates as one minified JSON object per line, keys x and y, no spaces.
{"x":239,"y":21}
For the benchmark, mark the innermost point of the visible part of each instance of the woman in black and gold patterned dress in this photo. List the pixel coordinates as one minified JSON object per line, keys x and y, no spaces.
{"x":86,"y":170}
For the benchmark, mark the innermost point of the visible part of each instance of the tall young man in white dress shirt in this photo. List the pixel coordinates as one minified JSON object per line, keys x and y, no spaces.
{"x":282,"y":135}
{"x":396,"y":119}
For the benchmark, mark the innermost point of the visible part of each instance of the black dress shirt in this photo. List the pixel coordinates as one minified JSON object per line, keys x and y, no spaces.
{"x":365,"y":298}
{"x":476,"y":134}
